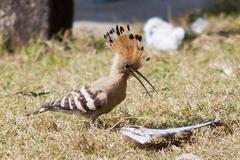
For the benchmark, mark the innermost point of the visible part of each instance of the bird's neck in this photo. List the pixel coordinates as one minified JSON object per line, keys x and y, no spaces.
{"x":116,"y":74}
{"x":116,"y":69}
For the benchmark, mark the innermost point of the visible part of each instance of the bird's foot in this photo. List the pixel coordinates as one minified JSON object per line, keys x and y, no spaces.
{"x":96,"y":123}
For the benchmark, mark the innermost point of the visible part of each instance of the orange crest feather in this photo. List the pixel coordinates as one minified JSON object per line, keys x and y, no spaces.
{"x":126,"y":44}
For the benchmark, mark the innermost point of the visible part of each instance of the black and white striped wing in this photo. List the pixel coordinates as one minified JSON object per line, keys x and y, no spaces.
{"x":83,"y":101}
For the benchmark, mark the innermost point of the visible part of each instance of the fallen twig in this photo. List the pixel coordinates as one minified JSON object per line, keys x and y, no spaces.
{"x":33,"y":94}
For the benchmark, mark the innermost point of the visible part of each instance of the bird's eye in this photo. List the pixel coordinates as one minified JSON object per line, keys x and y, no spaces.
{"x":127,"y":65}
{"x":148,"y":59}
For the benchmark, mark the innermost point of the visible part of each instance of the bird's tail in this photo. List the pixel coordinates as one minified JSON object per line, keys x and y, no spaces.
{"x":43,"y":108}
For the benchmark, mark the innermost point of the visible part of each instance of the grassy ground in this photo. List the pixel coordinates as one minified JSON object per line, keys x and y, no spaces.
{"x":199,"y":82}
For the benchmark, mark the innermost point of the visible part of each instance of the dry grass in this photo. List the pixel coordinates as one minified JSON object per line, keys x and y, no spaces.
{"x":193,"y":83}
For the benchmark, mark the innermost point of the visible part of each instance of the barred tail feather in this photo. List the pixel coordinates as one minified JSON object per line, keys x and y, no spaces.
{"x":45,"y":107}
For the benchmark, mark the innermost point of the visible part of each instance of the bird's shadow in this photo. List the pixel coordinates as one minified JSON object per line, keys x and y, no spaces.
{"x":167,"y":142}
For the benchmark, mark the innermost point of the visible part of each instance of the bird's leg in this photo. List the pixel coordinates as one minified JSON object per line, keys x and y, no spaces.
{"x":93,"y":125}
{"x":93,"y":122}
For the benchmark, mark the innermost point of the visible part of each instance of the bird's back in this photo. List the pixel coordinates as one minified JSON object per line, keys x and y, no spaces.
{"x":91,"y":100}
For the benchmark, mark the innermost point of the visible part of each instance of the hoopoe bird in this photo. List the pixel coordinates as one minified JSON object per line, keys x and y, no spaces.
{"x":102,"y":95}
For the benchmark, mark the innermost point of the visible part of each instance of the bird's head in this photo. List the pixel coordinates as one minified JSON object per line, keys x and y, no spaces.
{"x":129,"y":52}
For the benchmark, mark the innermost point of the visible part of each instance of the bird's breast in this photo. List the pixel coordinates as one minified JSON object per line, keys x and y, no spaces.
{"x":117,"y":96}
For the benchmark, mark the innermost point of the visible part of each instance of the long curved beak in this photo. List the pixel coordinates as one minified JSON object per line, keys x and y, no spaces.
{"x":141,"y":75}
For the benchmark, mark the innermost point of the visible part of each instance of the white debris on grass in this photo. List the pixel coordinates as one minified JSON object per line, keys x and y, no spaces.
{"x":162,"y":35}
{"x":227,"y":71}
{"x":188,"y":156}
{"x":225,"y":68}
{"x":199,"y":25}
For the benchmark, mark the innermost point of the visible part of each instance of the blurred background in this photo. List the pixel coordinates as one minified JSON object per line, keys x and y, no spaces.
{"x":95,"y":14}
{"x":22,"y":20}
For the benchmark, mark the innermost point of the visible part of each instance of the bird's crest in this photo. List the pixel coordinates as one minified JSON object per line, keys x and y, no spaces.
{"x":125,"y":43}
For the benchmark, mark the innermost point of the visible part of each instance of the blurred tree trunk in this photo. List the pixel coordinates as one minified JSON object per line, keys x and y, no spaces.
{"x":21,"y":20}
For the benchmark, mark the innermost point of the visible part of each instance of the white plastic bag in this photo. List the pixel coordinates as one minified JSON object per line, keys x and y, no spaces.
{"x":162,"y":35}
